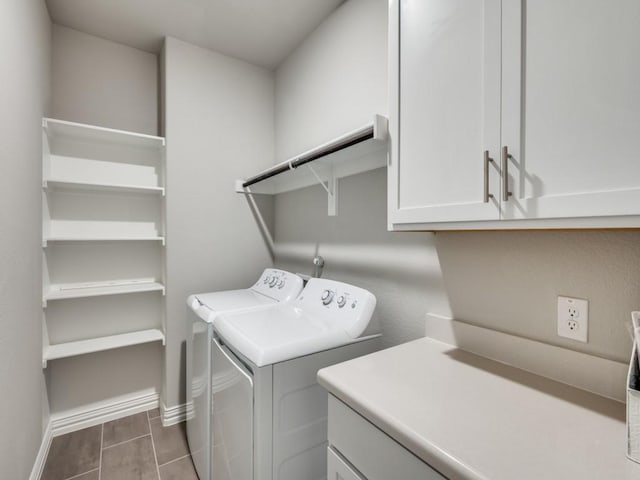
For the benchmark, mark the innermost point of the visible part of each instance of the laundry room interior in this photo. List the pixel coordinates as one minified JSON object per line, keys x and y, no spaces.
{"x":200,"y":100}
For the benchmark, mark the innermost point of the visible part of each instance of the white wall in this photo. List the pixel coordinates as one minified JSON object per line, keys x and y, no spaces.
{"x":507,"y":281}
{"x":25,"y":39}
{"x":99,"y":82}
{"x":219,"y":127}
{"x":335,"y":81}
{"x":77,"y":384}
{"x":402,"y":270}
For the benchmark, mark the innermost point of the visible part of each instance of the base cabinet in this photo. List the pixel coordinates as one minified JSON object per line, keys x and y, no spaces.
{"x":339,"y":469}
{"x":358,"y":450}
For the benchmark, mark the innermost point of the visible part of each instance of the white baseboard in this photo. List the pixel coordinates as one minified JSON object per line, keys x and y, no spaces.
{"x":173,"y":415}
{"x":95,"y":414}
{"x":588,"y":372}
{"x":41,"y":458}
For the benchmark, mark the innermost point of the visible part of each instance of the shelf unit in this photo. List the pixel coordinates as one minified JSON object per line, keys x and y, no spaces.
{"x":103,"y":232}
{"x":358,"y":151}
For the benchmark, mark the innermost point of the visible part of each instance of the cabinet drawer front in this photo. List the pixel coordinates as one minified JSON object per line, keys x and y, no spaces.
{"x":376,"y":455}
{"x":338,"y":469}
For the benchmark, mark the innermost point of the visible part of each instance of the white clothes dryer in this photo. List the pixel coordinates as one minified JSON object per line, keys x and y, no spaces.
{"x":272,"y":288}
{"x":269,"y":413}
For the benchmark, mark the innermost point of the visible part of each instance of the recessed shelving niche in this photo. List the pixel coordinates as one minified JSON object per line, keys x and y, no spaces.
{"x":103,"y":229}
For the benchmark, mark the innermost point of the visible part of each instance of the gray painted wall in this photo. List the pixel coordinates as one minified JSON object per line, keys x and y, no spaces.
{"x":401,"y":269}
{"x":219,"y":128}
{"x":103,"y":83}
{"x":25,"y":42}
{"x":507,"y":281}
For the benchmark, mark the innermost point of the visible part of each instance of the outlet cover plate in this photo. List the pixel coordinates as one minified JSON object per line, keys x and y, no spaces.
{"x":573,"y":318}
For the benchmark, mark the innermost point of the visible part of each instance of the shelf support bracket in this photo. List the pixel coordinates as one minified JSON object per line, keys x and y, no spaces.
{"x":331,"y":187}
{"x":45,"y":341}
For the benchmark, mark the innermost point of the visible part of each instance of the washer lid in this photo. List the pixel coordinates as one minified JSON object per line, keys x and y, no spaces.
{"x":279,"y":333}
{"x":209,"y":305}
{"x":326,"y":314}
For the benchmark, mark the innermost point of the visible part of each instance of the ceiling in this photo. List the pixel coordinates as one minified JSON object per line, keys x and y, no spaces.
{"x":262,"y":32}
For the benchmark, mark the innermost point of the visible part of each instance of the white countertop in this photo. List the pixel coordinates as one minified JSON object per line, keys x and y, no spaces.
{"x":474,"y":418}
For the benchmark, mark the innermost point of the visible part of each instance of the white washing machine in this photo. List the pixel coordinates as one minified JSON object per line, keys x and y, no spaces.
{"x":273,"y":287}
{"x":269,"y":413}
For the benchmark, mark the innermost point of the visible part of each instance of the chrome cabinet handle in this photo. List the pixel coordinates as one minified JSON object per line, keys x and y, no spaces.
{"x":505,"y":174}
{"x":487,"y":160}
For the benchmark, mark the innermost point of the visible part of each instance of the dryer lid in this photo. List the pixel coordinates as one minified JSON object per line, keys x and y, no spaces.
{"x":209,"y":305}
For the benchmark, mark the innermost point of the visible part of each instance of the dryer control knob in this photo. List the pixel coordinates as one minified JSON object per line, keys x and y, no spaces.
{"x":273,"y":282}
{"x":327,"y":297}
{"x":281,"y":284}
{"x":342,"y":301}
{"x":267,"y":279}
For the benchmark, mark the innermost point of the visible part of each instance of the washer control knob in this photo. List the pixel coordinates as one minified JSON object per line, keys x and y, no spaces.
{"x":273,"y":282}
{"x":267,"y":279}
{"x":342,"y":301}
{"x":327,"y":297}
{"x":281,"y":284}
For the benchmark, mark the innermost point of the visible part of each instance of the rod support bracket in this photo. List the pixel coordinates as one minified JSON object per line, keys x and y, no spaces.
{"x":331,"y":187}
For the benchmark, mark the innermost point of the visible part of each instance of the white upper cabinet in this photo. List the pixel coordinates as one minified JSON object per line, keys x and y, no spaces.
{"x":549,"y":88}
{"x":571,"y":107}
{"x":449,"y":111}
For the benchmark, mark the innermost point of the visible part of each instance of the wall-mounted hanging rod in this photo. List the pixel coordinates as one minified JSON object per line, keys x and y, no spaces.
{"x":360,"y":136}
{"x":354,"y":152}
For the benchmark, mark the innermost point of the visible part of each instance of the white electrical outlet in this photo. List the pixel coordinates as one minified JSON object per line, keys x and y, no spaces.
{"x":573,"y":318}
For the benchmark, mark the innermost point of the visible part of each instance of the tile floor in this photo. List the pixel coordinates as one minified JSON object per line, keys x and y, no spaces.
{"x":131,"y":448}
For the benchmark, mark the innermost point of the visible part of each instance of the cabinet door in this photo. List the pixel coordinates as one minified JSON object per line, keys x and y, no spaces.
{"x":448,"y":113}
{"x":571,"y":107}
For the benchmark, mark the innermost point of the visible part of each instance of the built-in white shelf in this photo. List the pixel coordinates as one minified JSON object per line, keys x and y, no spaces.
{"x":93,"y":133}
{"x":349,"y":154}
{"x":96,"y":157}
{"x":80,"y":238}
{"x":52,"y":185}
{"x":103,"y":209}
{"x":99,"y":289}
{"x":82,"y":347}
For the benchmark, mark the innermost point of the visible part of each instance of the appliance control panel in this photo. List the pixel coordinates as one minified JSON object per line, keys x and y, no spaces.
{"x":278,"y":284}
{"x":338,"y":303}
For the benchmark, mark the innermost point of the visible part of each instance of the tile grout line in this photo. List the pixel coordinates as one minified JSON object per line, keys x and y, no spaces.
{"x":153,"y":446}
{"x":81,"y":474}
{"x":126,"y":441}
{"x":101,"y":444}
{"x":175,"y":460}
